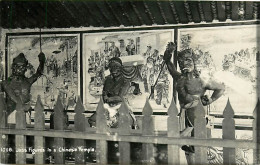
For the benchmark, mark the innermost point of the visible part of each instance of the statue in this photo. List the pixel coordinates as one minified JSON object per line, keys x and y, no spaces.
{"x":190,"y":87}
{"x":115,"y":89}
{"x":17,"y":87}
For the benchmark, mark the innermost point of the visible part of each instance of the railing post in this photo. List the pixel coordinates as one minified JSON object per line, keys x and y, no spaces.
{"x":173,"y":131}
{"x":39,"y":124}
{"x":20,"y":140}
{"x":3,"y":124}
{"x":148,"y":129}
{"x":80,"y":125}
{"x":60,"y":125}
{"x":228,"y":128}
{"x":101,"y":145}
{"x":256,"y":133}
{"x":200,"y":132}
{"x":124,"y":129}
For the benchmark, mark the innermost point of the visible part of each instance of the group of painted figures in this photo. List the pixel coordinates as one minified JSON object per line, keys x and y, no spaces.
{"x":190,"y":87}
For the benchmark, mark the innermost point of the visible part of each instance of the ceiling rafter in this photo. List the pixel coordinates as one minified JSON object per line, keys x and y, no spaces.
{"x":104,"y":15}
{"x":228,"y":10}
{"x":92,"y":15}
{"x":188,"y":11}
{"x":113,"y":12}
{"x":241,"y":10}
{"x":37,"y":15}
{"x":201,"y":12}
{"x":137,"y":13}
{"x":174,"y":12}
{"x":147,"y":10}
{"x":57,"y":14}
{"x":24,"y":15}
{"x":255,"y":10}
{"x":80,"y":12}
{"x":214,"y":10}
{"x":125,"y":13}
{"x":48,"y":16}
{"x":162,"y":12}
{"x":70,"y":12}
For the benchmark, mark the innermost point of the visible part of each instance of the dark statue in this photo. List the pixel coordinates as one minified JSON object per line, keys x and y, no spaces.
{"x":115,"y":89}
{"x":17,"y":87}
{"x":190,"y":87}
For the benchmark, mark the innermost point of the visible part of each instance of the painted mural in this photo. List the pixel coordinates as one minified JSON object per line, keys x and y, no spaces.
{"x":142,"y":56}
{"x":61,"y":69}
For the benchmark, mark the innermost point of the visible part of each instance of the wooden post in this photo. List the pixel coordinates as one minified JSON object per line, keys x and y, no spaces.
{"x":20,"y":140}
{"x":59,"y":124}
{"x":101,"y":145}
{"x":173,"y":131}
{"x":80,"y":125}
{"x":39,"y":124}
{"x":256,"y":133}
{"x":124,"y":129}
{"x":3,"y":124}
{"x":148,"y":129}
{"x":200,"y":131}
{"x":228,"y":128}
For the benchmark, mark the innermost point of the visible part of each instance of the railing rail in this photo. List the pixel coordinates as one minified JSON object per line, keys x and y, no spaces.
{"x":123,"y":134}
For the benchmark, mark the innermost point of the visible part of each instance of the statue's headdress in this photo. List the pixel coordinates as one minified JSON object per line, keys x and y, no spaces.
{"x":20,"y":59}
{"x":115,"y":61}
{"x":185,"y":53}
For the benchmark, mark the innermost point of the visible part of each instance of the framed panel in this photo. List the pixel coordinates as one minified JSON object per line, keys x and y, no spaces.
{"x":141,"y":53}
{"x":61,"y":71}
{"x":228,"y":55}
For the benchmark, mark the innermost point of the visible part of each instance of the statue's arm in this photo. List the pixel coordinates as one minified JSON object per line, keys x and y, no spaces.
{"x":40,"y":69}
{"x":218,"y":90}
{"x":171,"y":67}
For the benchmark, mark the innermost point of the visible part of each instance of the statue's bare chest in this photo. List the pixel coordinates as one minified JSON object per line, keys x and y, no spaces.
{"x":19,"y":88}
{"x":192,"y":86}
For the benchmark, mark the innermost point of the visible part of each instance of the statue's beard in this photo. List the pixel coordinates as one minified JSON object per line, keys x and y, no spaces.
{"x":187,"y":69}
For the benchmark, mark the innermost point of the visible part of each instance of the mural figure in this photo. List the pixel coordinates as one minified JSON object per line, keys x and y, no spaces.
{"x":190,"y":87}
{"x":130,"y":48}
{"x":114,"y":51}
{"x":17,"y":87}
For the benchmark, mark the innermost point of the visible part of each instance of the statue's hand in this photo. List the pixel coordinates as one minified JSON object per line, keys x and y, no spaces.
{"x":42,"y":57}
{"x":168,"y":52}
{"x":205,"y":100}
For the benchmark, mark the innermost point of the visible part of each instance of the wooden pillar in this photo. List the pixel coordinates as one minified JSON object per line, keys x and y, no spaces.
{"x":3,"y":124}
{"x":173,"y":131}
{"x":148,"y":129}
{"x":228,"y":128}
{"x":124,"y":129}
{"x":80,"y":126}
{"x":200,"y":131}
{"x":101,"y":145}
{"x":60,"y":125}
{"x":39,"y":124}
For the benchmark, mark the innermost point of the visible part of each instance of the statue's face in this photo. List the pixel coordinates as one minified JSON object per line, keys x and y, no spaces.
{"x":115,"y":70}
{"x":18,"y":69}
{"x":186,"y":64}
